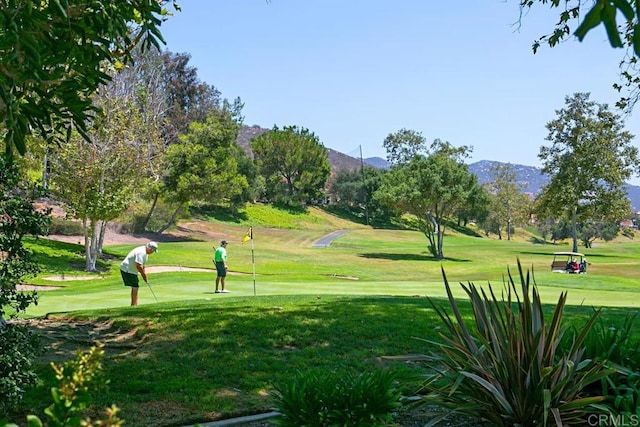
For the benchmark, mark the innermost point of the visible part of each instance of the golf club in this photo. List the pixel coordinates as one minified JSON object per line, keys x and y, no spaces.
{"x":151,"y":289}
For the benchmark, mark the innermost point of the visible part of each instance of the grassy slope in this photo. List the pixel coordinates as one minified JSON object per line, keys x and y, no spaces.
{"x":198,"y":356}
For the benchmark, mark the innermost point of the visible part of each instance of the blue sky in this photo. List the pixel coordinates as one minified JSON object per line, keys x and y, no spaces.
{"x":354,"y":71}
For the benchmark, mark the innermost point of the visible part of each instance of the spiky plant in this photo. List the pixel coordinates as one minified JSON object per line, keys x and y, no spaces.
{"x":505,"y":366}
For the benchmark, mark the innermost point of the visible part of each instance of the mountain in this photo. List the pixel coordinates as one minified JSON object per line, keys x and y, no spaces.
{"x":530,"y":178}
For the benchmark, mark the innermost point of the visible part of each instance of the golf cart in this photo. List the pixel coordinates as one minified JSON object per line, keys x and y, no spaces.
{"x":569,"y":262}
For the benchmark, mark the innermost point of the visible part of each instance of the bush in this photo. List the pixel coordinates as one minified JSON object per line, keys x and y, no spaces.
{"x":18,"y":348}
{"x":614,"y":343}
{"x":506,"y":367}
{"x":318,"y":398}
{"x":76,"y":378}
{"x":615,"y":346}
{"x":65,"y":227}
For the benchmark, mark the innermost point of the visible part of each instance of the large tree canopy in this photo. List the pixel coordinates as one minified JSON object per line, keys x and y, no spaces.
{"x":590,"y":158}
{"x":54,"y":57}
{"x":293,"y":162}
{"x":430,"y":188}
{"x":204,"y":167}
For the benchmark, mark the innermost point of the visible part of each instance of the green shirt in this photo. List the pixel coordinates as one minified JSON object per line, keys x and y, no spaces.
{"x":220,"y":255}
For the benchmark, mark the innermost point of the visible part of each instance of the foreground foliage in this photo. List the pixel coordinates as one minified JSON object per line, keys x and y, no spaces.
{"x":76,"y":379}
{"x":317,"y":398}
{"x":19,"y":218}
{"x":54,"y":55}
{"x":506,"y":366}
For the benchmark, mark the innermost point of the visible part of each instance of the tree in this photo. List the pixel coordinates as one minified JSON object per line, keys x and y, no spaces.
{"x":431,"y":188}
{"x":53,"y":59}
{"x":293,"y":162}
{"x":403,"y":145}
{"x":98,"y":179}
{"x":203,"y":166}
{"x":589,"y":231}
{"x":477,"y":207}
{"x":509,"y":205}
{"x":353,"y":190}
{"x":605,"y":13}
{"x":589,"y":161}
{"x":186,"y":99}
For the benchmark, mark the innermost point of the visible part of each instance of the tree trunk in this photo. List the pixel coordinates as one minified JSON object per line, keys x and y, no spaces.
{"x":171,"y":220}
{"x":439,"y":233}
{"x":103,"y":230}
{"x":145,"y":223}
{"x":440,"y":243}
{"x":574,"y":229}
{"x":90,"y":245}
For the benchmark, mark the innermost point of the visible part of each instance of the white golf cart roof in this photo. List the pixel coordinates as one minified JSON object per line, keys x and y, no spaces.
{"x":576,"y":254}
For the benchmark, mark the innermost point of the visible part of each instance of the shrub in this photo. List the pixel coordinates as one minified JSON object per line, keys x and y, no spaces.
{"x":614,"y":343}
{"x":65,"y":227}
{"x":505,"y":367}
{"x":615,"y":346}
{"x":76,"y":378}
{"x":18,"y":348}
{"x":622,"y":394}
{"x":316,"y":398}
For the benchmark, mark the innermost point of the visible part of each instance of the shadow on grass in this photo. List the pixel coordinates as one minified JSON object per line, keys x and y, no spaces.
{"x":53,"y":256}
{"x":408,"y":257}
{"x":462,"y":229}
{"x":219,"y":213}
{"x":277,"y":335}
{"x":359,"y":216}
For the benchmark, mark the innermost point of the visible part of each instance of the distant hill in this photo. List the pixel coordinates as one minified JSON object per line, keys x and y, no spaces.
{"x":530,"y":178}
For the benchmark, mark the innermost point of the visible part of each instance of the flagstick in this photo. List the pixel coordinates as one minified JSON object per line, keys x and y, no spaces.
{"x":253,"y":265}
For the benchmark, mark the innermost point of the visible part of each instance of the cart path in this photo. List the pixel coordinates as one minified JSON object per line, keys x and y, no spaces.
{"x":325,"y":241}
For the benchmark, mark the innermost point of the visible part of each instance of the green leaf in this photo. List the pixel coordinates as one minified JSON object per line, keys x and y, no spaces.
{"x":636,"y":39}
{"x":33,"y":421}
{"x":625,"y":7}
{"x":609,"y":20}
{"x":590,"y":21}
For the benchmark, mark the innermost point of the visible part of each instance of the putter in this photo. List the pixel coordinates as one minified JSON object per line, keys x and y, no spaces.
{"x":151,"y":289}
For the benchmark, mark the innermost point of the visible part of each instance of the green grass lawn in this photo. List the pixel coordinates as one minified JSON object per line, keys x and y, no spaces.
{"x":197,"y":356}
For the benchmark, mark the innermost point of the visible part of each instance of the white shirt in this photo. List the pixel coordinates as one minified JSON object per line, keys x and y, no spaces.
{"x":136,"y":256}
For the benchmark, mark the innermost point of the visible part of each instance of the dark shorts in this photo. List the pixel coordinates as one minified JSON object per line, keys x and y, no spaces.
{"x":222,"y":272}
{"x":130,"y":279}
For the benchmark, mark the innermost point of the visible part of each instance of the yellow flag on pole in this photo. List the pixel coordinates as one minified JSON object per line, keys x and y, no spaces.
{"x":249,"y":235}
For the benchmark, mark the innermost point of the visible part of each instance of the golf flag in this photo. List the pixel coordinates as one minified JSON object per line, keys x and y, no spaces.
{"x":249,"y":235}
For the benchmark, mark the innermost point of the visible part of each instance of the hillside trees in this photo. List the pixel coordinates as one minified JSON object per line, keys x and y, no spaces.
{"x":54,"y":56}
{"x":509,"y":206}
{"x":354,"y":189}
{"x":430,"y":188}
{"x":203,"y":167}
{"x":477,"y":207}
{"x":294,"y":164}
{"x":186,"y":99}
{"x":590,"y":158}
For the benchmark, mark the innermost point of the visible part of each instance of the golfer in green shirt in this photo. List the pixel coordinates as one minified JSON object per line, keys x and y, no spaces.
{"x":220,"y":260}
